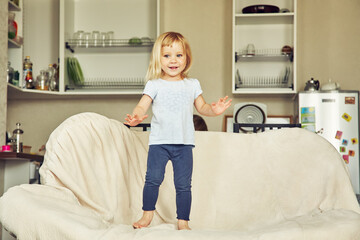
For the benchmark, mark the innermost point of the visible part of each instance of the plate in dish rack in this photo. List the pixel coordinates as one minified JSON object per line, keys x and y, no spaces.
{"x":74,"y":71}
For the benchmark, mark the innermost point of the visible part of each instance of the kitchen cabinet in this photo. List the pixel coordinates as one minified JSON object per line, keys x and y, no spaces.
{"x":260,"y":63}
{"x":15,"y":46}
{"x":113,"y":66}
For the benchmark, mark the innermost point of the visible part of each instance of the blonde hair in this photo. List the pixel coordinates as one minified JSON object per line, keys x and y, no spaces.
{"x":167,"y":39}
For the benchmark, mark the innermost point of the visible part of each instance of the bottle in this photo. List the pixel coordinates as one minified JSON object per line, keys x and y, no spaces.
{"x":54,"y":86}
{"x":28,"y":77}
{"x":12,"y":26}
{"x":10,"y":73}
{"x":51,"y":71}
{"x":42,"y":81}
{"x":15,"y":80}
{"x":17,"y":136}
{"x":52,"y":80}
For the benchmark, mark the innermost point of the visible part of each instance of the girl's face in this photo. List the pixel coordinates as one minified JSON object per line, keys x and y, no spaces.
{"x":173,"y":61}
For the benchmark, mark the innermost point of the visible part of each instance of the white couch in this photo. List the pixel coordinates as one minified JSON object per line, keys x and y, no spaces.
{"x":286,"y":184}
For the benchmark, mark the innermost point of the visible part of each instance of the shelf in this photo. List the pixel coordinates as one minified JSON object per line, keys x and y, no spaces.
{"x":252,"y":15}
{"x":110,"y":83}
{"x":15,"y":92}
{"x":73,"y":44}
{"x":266,"y":57}
{"x":104,"y":92}
{"x":13,"y":44}
{"x":264,"y":91}
{"x":13,"y":7}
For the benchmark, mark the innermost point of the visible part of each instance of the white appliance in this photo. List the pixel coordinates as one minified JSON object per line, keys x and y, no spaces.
{"x":334,"y":115}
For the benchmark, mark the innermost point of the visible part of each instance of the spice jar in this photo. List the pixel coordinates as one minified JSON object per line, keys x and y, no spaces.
{"x":42,"y":81}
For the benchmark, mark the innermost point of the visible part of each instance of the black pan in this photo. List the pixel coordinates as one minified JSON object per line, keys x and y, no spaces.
{"x":261,"y":9}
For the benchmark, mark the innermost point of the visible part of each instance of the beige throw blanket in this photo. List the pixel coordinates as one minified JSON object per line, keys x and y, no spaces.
{"x":284,"y":184}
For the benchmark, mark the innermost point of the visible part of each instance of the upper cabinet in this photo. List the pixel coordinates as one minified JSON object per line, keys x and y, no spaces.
{"x":105,"y":46}
{"x":264,"y":47}
{"x":15,"y":35}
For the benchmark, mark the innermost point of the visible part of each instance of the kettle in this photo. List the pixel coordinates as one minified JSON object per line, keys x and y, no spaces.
{"x":312,"y":85}
{"x":329,"y":86}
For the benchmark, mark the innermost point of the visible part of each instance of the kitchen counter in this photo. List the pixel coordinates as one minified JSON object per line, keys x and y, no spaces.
{"x":6,"y":156}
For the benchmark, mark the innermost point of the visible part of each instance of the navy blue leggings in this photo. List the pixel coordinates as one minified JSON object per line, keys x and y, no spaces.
{"x":182,"y":161}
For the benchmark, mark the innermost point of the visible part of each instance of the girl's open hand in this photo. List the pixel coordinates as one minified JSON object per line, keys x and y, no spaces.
{"x":220,"y":106}
{"x":134,"y":120}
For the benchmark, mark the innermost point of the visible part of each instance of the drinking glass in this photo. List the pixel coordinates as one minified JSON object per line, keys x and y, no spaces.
{"x":110,"y":37}
{"x":87,"y":39}
{"x":95,"y":38}
{"x":250,"y":49}
{"x":78,"y":37}
{"x":103,"y":38}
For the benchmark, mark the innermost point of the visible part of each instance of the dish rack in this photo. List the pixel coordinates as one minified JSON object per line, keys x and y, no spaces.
{"x":102,"y":83}
{"x":92,"y":43}
{"x":262,"y":82}
{"x":281,"y":81}
{"x":242,"y":55}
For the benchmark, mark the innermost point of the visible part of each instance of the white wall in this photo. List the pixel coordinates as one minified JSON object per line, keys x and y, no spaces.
{"x":41,"y":33}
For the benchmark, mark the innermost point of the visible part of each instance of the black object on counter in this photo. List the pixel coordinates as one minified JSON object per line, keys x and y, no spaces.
{"x":261,"y":9}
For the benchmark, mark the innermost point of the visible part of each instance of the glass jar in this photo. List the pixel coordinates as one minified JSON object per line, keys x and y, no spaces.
{"x":17,"y":139}
{"x":12,"y":26}
{"x":10,"y":73}
{"x":42,"y":81}
{"x":53,"y":83}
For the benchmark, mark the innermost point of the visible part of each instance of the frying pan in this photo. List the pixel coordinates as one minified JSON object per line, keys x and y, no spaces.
{"x":261,"y":9}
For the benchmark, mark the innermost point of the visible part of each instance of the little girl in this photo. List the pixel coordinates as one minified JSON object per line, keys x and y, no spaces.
{"x":172,"y":96}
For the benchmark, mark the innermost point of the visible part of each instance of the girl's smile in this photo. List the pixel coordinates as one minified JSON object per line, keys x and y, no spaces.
{"x":173,"y":61}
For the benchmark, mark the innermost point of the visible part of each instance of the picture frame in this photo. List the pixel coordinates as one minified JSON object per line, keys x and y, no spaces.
{"x":283,"y":119}
{"x":227,"y":123}
{"x":271,"y":119}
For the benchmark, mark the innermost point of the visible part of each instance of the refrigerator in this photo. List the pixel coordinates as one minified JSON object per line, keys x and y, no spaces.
{"x":334,"y":115}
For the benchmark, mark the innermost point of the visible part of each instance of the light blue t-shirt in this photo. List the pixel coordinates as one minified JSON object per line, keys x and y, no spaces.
{"x":172,"y":106}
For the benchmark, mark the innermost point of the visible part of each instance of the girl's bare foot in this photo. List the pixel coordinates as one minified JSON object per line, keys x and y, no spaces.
{"x":183,"y":225}
{"x":145,"y":220}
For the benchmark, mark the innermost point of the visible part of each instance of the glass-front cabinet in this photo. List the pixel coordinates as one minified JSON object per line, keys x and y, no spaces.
{"x":264,"y":47}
